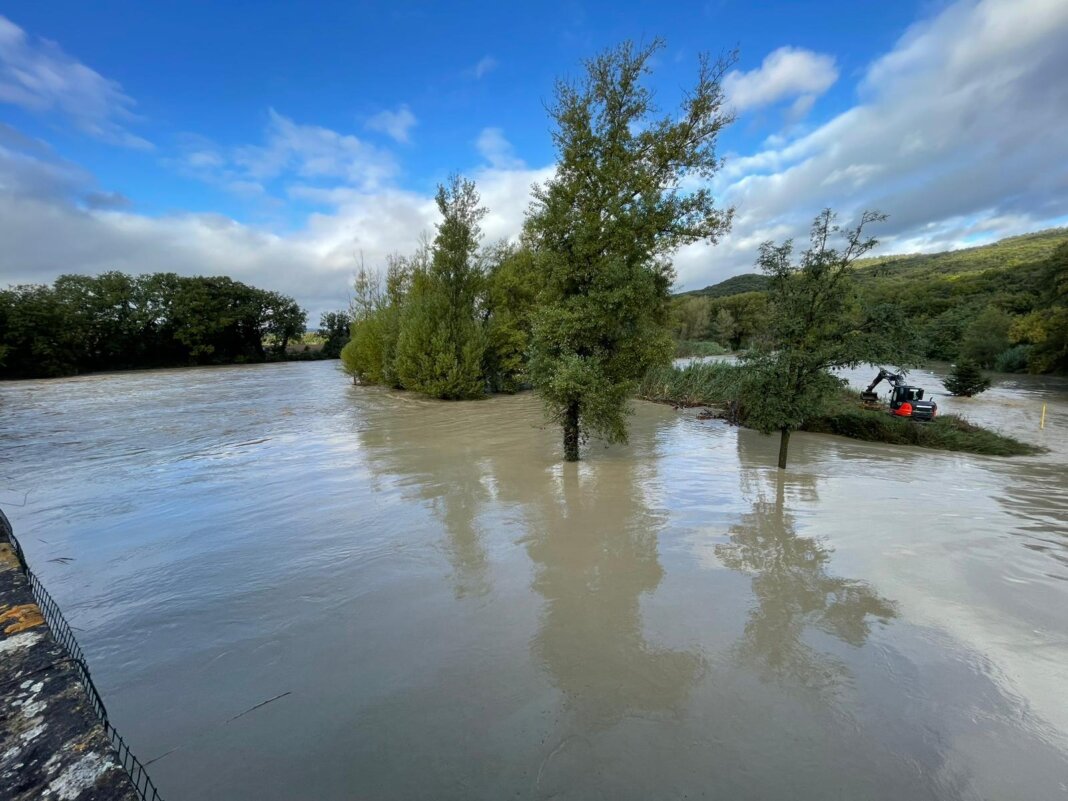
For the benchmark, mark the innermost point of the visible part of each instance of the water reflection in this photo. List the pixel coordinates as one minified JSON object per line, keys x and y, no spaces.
{"x":792,"y":586}
{"x":590,"y":534}
{"x":595,"y":550}
{"x":448,"y":472}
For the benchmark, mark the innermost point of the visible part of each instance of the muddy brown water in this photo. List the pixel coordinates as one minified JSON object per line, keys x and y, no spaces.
{"x":455,"y":614}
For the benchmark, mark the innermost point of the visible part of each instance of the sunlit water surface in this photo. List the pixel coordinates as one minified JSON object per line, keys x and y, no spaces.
{"x":448,"y":612}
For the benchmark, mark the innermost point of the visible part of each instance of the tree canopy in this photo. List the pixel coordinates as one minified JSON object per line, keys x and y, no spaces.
{"x":603,"y":230}
{"x":115,"y":321}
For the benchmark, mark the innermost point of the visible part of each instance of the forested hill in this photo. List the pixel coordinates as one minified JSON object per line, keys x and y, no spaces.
{"x":1004,"y":305}
{"x":1010,"y":252}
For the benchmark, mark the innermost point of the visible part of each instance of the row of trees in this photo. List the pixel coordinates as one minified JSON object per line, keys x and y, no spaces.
{"x":116,"y":321}
{"x":579,"y":308}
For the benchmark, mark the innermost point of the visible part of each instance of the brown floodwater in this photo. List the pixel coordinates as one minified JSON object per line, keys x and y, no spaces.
{"x":448,"y":612}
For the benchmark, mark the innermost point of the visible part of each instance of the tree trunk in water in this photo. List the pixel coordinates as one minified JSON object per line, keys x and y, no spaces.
{"x":571,"y":433}
{"x":784,"y":446}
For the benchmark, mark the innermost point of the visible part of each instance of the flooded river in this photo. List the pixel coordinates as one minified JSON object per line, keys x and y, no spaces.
{"x":440,"y":609}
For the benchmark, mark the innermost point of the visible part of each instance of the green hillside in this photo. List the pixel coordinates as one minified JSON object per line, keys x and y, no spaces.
{"x":1010,"y":252}
{"x":1004,"y":305}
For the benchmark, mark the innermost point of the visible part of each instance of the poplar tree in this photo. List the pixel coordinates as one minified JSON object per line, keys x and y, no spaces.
{"x":630,"y":188}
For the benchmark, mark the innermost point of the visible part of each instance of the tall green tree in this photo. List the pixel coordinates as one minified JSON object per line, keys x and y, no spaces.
{"x":509,"y":303}
{"x":986,"y":337}
{"x":816,"y":324}
{"x":603,"y":230}
{"x":441,"y":343}
{"x":334,"y":329}
{"x":377,"y":309}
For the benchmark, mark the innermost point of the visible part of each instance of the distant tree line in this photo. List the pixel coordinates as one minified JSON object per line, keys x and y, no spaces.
{"x":1001,"y":307}
{"x":116,"y":321}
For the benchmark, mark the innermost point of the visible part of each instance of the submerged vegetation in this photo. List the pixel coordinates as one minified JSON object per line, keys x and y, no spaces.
{"x":721,"y":385}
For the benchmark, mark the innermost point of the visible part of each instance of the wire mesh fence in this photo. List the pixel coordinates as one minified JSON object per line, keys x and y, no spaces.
{"x":64,"y":635}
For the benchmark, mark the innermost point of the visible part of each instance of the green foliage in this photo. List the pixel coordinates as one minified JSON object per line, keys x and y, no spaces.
{"x":735,"y":285}
{"x":692,"y":316}
{"x":846,"y":418}
{"x":698,"y":348}
{"x":334,"y":329}
{"x":441,"y":344}
{"x":115,"y":321}
{"x":696,"y":384}
{"x":735,"y":321}
{"x":720,"y":384}
{"x":377,"y":308}
{"x":942,"y":295}
{"x":603,"y":228}
{"x":816,"y":324}
{"x":1014,"y":359}
{"x":986,"y":337}
{"x":510,"y":301}
{"x":966,"y":380}
{"x":441,"y":323}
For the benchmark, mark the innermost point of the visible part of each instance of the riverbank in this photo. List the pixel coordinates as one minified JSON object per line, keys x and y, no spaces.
{"x":53,"y":742}
{"x":711,"y":385}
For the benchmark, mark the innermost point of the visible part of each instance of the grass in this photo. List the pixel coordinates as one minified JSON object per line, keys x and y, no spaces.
{"x":693,"y":347}
{"x":711,"y":384}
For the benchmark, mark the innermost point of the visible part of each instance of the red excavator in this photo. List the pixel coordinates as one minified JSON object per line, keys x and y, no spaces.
{"x":905,"y":401}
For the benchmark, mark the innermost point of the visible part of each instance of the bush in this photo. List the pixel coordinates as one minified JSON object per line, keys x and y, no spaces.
{"x":966,"y":380}
{"x":1013,"y":360}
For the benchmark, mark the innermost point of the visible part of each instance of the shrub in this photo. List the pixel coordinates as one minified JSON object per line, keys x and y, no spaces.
{"x":966,"y":380}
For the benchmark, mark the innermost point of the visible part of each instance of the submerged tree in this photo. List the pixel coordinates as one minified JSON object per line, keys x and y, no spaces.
{"x":441,"y":343}
{"x":816,"y":324}
{"x":603,"y":230}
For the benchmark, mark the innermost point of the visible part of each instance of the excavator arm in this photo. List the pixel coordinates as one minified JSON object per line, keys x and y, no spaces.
{"x":884,"y":375}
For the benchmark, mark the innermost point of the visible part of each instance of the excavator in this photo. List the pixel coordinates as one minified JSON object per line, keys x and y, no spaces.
{"x":905,"y":401}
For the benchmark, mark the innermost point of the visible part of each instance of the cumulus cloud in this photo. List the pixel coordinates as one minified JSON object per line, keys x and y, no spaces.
{"x":958,"y":124}
{"x":395,"y":124}
{"x":788,"y":72}
{"x":497,"y":150}
{"x":308,"y":152}
{"x":48,"y":230}
{"x":38,"y":76}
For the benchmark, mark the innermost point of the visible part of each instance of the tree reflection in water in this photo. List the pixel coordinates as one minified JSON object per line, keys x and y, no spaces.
{"x":410,"y":437}
{"x":595,"y":553}
{"x":792,"y":586}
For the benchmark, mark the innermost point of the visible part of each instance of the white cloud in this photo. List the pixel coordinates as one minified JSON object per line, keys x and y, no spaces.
{"x":484,"y":67}
{"x":785,"y":73}
{"x":395,"y":124}
{"x":497,"y":150}
{"x":40,"y":77}
{"x":290,"y":151}
{"x":47,"y":230}
{"x":955,"y":126}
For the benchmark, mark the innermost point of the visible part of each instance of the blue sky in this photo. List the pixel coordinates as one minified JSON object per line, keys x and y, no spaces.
{"x":276,"y":141}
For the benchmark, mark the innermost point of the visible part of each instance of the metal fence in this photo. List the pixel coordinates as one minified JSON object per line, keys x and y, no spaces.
{"x":64,"y":635}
